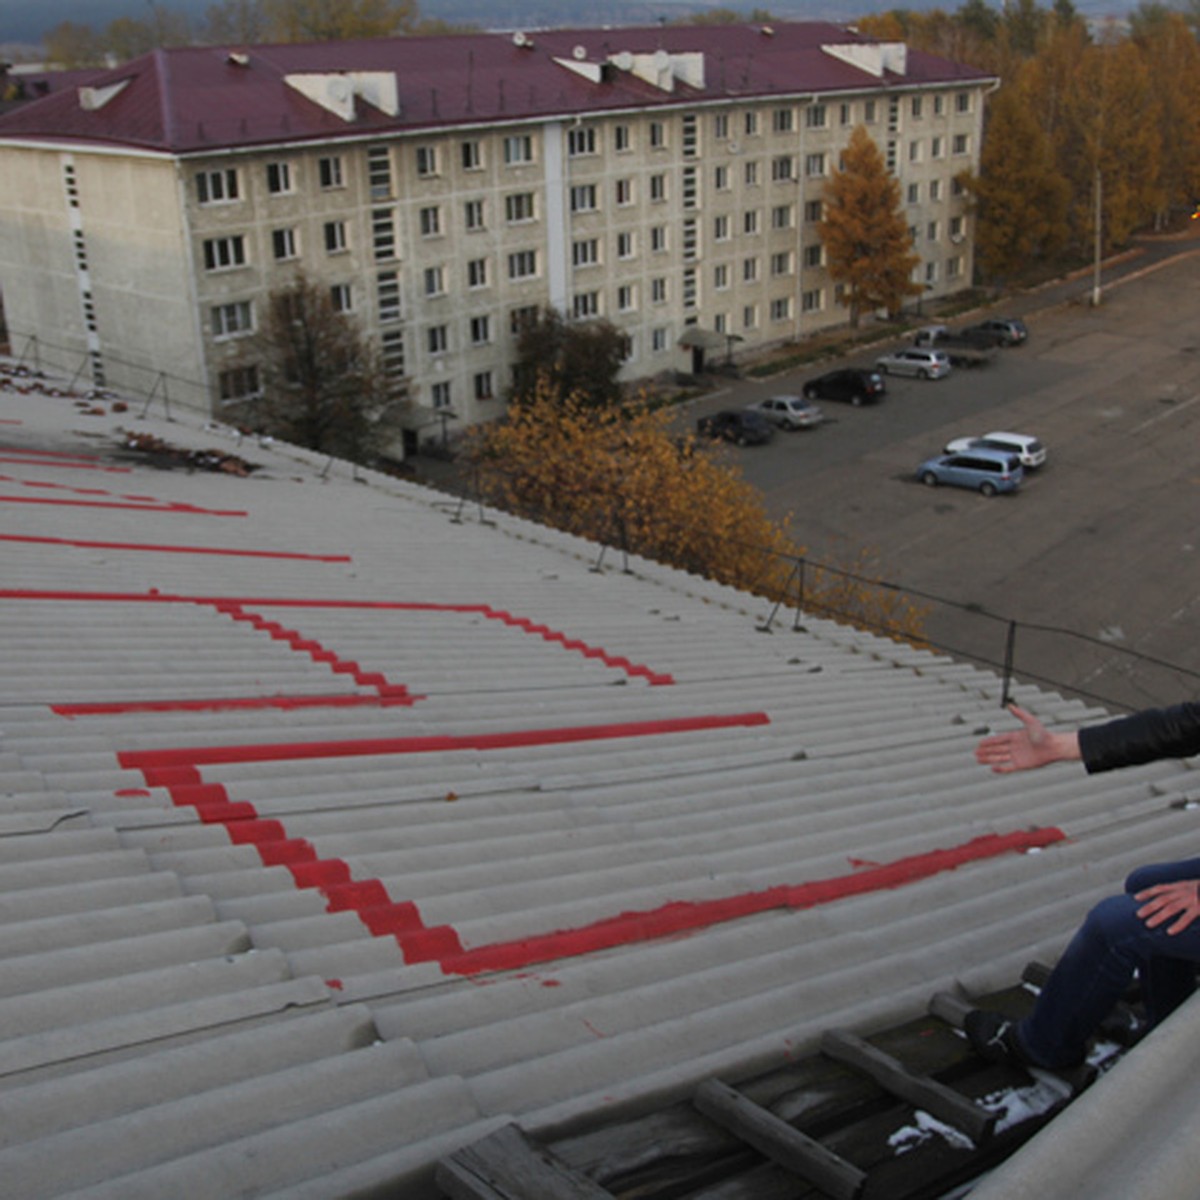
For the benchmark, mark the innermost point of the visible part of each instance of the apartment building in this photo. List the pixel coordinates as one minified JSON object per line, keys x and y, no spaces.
{"x":669,"y":179}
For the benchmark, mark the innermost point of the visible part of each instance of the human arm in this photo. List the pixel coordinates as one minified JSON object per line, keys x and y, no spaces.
{"x":1033,"y":745}
{"x":1177,"y":902}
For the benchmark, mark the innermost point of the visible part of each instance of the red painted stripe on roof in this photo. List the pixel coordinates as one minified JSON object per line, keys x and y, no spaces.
{"x":197,"y":756}
{"x":68,"y":464}
{"x":162,"y":549}
{"x":400,"y":696}
{"x":230,"y":603}
{"x":385,"y":917}
{"x":168,"y":508}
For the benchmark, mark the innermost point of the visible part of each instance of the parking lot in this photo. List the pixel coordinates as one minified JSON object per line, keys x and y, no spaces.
{"x":1103,"y":540}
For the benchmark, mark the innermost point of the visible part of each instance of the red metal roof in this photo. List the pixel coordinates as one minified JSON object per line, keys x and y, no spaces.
{"x":192,"y":99}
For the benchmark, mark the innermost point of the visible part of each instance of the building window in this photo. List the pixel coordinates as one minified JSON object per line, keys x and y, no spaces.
{"x":483,"y":385}
{"x":342,"y":297}
{"x":472,"y":156}
{"x":870,"y":112}
{"x":439,"y":394}
{"x":624,"y":191}
{"x":750,"y":316}
{"x":518,"y":148}
{"x":658,"y":188}
{"x":217,"y":187}
{"x":721,"y":276}
{"x":782,"y":120}
{"x":518,"y":206}
{"x":814,"y":255}
{"x":783,"y":168}
{"x":781,"y":308}
{"x":721,"y":127}
{"x":232,"y":320}
{"x":935,"y":189}
{"x":845,"y":114}
{"x":585,"y":304}
{"x":936,"y":147}
{"x":329,"y":172}
{"x":387,"y":290}
{"x":522,"y":264}
{"x":721,"y":228}
{"x":477,"y":273}
{"x":954,"y":267}
{"x":658,"y":135}
{"x":581,"y":140}
{"x":283,"y":243}
{"x":583,"y":197}
{"x":750,"y":174}
{"x":812,"y":301}
{"x":585,"y":253}
{"x":221,"y":254}
{"x":750,"y":123}
{"x":750,"y":221}
{"x":622,"y":142}
{"x":912,"y":193}
{"x":430,"y":219}
{"x":956,"y":228}
{"x":658,"y":290}
{"x":781,"y":263}
{"x":335,"y":237}
{"x":279,"y":178}
{"x":437,"y":339}
{"x":625,"y":245}
{"x":238,"y":383}
{"x":522,"y":318}
{"x":931,"y":231}
{"x":914,"y":151}
{"x":383,"y":234}
{"x":750,"y":270}
{"x":481,"y":331}
{"x":783,"y":216}
{"x":379,"y":172}
{"x":915,"y":107}
{"x":721,"y":178}
{"x":658,"y":239}
{"x":814,"y":210}
{"x":658,"y":340}
{"x":814,"y":164}
{"x":435,"y":281}
{"x":931,"y":272}
{"x":427,"y":161}
{"x":393,"y":353}
{"x":473,"y":214}
{"x":961,"y":143}
{"x":962,"y":102}
{"x":626,"y":297}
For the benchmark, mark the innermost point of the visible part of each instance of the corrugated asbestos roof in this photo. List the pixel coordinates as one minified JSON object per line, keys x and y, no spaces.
{"x":191,"y":99}
{"x":339,"y":827}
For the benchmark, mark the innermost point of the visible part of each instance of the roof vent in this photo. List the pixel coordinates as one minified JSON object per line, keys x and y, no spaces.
{"x":767,"y":31}
{"x":238,"y":58}
{"x":522,"y":41}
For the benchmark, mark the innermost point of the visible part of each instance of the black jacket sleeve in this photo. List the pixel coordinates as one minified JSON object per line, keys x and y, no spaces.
{"x":1141,"y":738}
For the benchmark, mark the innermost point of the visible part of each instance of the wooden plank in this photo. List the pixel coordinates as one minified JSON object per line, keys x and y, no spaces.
{"x":777,"y":1140}
{"x":506,"y":1165}
{"x":935,"y":1098}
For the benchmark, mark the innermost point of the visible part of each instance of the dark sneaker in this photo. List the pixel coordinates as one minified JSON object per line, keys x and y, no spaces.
{"x":993,"y":1037}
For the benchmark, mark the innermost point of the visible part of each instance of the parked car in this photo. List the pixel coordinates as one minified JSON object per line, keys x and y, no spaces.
{"x":853,"y":385}
{"x":1028,"y":449}
{"x":789,"y":412}
{"x":924,"y":364}
{"x":742,"y":426}
{"x":987,"y":471}
{"x":1009,"y":331}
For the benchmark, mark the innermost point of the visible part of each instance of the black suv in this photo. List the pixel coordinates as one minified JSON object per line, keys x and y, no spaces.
{"x":857,"y":385}
{"x":741,"y":426}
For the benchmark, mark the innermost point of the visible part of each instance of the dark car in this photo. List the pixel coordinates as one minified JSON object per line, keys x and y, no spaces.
{"x":743,"y":426}
{"x":1007,"y":331}
{"x":853,"y":385}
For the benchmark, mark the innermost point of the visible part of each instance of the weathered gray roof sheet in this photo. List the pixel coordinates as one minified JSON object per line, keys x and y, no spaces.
{"x":336,"y":831}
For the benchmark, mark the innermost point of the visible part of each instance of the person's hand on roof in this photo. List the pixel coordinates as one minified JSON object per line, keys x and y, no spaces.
{"x":1180,"y":900}
{"x":1033,"y":745}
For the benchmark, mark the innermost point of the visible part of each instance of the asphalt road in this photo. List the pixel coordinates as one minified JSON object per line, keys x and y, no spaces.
{"x":1102,"y":541}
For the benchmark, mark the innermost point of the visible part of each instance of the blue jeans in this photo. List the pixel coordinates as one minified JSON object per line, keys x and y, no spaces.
{"x":1111,"y":947}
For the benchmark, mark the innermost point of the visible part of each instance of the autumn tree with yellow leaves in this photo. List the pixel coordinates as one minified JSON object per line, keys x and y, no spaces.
{"x":617,"y":476}
{"x":868,"y":248}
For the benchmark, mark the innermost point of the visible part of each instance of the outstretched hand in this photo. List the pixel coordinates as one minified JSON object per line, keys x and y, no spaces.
{"x":1165,"y":901}
{"x":1033,"y":745}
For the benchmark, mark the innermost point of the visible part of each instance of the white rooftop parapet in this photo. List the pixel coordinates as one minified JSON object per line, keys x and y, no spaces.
{"x":336,"y":92}
{"x":873,"y":57}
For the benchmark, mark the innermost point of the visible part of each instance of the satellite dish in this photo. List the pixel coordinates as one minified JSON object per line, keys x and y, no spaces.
{"x":519,"y":39}
{"x":624,"y":61}
{"x":579,"y":53}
